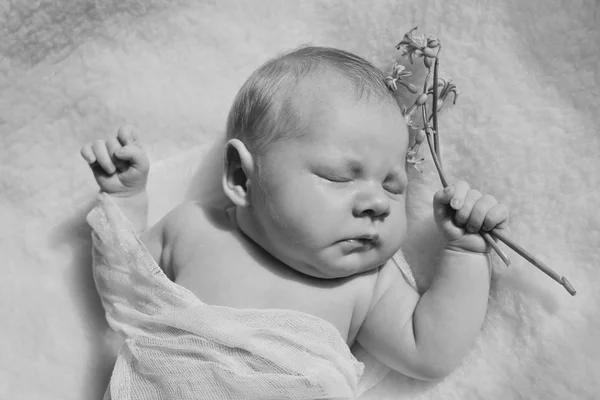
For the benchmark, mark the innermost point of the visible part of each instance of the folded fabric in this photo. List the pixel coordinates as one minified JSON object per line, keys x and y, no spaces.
{"x":178,"y":347}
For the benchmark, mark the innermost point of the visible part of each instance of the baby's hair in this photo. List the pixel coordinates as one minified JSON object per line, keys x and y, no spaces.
{"x":263,"y":110}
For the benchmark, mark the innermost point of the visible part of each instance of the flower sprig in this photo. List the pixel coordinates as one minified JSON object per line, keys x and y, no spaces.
{"x":444,"y":87}
{"x":412,"y":46}
{"x":428,"y":49}
{"x":399,"y":72}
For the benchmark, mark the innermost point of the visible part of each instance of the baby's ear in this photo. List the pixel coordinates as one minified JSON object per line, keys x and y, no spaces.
{"x":239,"y":168}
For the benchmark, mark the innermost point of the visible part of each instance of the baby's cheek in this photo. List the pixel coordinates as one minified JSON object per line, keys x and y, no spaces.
{"x":398,"y":225}
{"x":291,"y":222}
{"x":397,"y":236}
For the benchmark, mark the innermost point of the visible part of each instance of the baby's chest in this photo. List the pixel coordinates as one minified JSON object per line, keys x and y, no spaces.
{"x":224,"y":273}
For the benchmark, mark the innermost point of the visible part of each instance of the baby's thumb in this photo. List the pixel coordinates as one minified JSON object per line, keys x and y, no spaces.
{"x":443,"y":197}
{"x":441,"y":200}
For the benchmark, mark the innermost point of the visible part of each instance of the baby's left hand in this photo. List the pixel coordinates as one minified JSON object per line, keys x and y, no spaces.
{"x":461,"y":213}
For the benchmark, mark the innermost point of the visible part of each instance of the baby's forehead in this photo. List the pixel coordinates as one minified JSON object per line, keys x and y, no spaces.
{"x":330,"y":98}
{"x":317,"y":95}
{"x":325,"y":86}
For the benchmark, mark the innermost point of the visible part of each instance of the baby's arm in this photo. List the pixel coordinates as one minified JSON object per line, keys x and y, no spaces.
{"x":427,"y":336}
{"x":120,"y":167}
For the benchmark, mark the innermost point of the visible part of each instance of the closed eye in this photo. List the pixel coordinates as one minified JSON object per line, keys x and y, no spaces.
{"x":394,"y":186}
{"x":396,"y":182}
{"x":393,"y":190}
{"x":337,"y":179}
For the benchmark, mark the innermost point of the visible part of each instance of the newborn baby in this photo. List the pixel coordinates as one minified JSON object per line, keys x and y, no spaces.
{"x":315,"y":165}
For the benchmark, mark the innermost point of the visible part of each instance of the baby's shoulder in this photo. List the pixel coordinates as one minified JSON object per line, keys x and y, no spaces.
{"x":194,"y":217}
{"x":193,"y":234}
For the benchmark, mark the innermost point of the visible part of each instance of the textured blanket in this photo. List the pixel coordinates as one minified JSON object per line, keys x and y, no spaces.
{"x":180,"y":348}
{"x":525,"y":129}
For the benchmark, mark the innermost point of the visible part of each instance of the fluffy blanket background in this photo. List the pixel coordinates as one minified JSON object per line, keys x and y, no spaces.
{"x":525,"y":129}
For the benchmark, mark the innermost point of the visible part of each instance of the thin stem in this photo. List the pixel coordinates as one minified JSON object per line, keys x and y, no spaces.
{"x":436,"y":142}
{"x":436,"y":161}
{"x":539,"y":264}
{"x":426,"y":80}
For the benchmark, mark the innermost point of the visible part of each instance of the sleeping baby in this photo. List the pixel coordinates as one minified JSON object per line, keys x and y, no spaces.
{"x":263,"y":299}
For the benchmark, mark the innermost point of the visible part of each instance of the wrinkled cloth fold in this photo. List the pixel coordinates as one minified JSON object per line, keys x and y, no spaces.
{"x":177,"y":347}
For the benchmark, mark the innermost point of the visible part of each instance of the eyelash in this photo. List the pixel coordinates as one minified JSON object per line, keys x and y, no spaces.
{"x":336,"y":179}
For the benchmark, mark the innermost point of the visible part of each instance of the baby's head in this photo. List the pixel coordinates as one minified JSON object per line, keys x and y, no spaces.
{"x":315,"y":162}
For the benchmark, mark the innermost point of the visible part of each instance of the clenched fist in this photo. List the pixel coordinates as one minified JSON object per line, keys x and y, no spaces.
{"x":461,"y":213}
{"x":120,"y":165}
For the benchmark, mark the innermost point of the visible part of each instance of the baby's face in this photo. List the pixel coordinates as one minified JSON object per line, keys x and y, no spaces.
{"x":331,"y":203}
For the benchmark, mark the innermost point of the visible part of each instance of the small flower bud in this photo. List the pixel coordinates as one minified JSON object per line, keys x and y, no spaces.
{"x":428,"y":52}
{"x":433,"y":43}
{"x":420,"y":137}
{"x":428,"y":62}
{"x":422,"y":99}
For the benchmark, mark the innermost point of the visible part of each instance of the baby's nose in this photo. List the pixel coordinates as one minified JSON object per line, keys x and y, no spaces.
{"x":372,"y":203}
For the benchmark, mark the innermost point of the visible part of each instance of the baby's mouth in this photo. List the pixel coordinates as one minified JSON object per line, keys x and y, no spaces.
{"x":362,"y":243}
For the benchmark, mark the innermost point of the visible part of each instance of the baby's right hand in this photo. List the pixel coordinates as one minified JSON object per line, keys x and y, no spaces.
{"x":119,"y":164}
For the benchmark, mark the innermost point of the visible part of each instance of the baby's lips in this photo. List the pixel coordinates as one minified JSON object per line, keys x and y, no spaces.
{"x":372,"y":239}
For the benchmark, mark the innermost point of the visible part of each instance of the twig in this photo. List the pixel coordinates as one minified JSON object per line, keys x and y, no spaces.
{"x":434,"y":112}
{"x":418,"y":46}
{"x":540,"y":265}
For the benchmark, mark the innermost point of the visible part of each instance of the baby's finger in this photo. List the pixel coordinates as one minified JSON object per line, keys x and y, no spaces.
{"x":497,"y":217}
{"x":479,"y":213}
{"x":112,"y":145}
{"x":135,"y":155}
{"x":463,"y":214}
{"x":443,"y":197}
{"x":102,"y":156}
{"x":127,"y":135}
{"x":88,"y":154}
{"x":458,"y":199}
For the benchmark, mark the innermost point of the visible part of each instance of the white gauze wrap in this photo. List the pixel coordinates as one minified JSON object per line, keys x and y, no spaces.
{"x":177,"y":347}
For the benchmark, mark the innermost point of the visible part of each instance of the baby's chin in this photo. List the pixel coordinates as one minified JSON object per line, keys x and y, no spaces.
{"x":343,"y":267}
